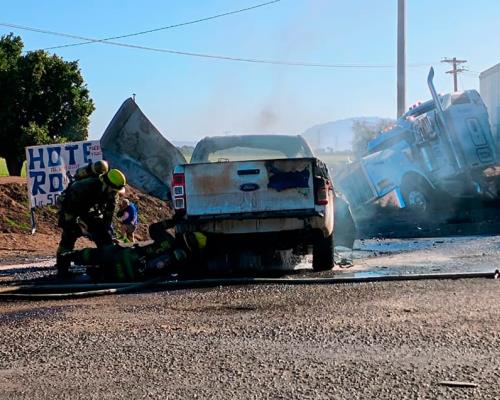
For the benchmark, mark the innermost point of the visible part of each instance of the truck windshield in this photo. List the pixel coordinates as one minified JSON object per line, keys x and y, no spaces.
{"x":250,"y":147}
{"x":245,"y":153}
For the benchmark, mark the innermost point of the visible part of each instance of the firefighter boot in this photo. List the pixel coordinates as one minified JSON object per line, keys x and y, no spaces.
{"x":63,"y":262}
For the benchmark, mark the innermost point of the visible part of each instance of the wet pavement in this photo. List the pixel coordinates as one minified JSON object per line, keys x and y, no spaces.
{"x":370,"y":258}
{"x":433,"y":255}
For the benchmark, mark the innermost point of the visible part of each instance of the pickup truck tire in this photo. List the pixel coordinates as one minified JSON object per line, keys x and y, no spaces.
{"x":323,"y":254}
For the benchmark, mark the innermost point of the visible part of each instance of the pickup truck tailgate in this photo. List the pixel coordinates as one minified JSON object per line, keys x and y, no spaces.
{"x":249,"y":186}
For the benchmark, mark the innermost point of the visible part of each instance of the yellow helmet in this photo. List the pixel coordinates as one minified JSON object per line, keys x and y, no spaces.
{"x":201,"y":239}
{"x":100,"y":167}
{"x":195,"y":241}
{"x":115,"y":179}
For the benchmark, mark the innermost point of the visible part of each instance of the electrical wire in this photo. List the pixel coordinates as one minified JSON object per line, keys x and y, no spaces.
{"x":209,"y":56}
{"x":165,"y":27}
{"x":471,"y":72}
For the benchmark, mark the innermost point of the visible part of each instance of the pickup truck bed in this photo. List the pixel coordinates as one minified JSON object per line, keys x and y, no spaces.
{"x":260,"y":204}
{"x":249,"y":187}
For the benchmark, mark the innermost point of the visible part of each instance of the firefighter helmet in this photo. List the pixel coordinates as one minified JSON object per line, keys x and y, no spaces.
{"x":100,"y":167}
{"x":115,"y":179}
{"x":201,"y":240}
{"x":195,"y":241}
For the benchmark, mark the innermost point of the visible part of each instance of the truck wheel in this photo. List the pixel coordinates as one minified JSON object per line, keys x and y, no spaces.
{"x":417,"y":196}
{"x":323,"y":254}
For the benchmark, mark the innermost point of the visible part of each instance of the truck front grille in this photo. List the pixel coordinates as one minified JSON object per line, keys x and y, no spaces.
{"x":355,"y":186}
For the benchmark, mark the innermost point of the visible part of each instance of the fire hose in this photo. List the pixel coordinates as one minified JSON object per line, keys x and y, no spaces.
{"x":74,"y":291}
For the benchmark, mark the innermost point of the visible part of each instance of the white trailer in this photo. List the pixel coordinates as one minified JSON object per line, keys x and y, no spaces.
{"x":489,"y":86}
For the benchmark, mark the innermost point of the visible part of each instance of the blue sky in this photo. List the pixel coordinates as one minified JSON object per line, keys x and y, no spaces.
{"x":188,"y":98}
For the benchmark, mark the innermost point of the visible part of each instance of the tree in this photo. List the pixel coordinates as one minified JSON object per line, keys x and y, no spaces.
{"x":43,"y":100}
{"x":365,"y":131}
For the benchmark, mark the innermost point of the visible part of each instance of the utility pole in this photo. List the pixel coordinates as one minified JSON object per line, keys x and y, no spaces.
{"x":401,"y":82}
{"x":455,"y":71}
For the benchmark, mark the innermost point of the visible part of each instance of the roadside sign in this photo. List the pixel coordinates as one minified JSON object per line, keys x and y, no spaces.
{"x":47,"y":167}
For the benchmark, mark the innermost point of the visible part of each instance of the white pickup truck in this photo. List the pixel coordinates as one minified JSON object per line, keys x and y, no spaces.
{"x":281,"y":198}
{"x":282,"y":202}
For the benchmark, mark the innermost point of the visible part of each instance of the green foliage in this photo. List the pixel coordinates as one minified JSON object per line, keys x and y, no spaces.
{"x":364,"y":132}
{"x":5,"y":172}
{"x":3,"y":168}
{"x":19,"y":225}
{"x":44,"y":100}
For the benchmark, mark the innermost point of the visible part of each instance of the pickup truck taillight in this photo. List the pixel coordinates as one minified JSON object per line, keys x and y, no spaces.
{"x":179,"y":193}
{"x":322,"y":188}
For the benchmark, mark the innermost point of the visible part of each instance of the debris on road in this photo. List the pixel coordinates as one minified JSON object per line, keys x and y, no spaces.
{"x":458,"y":384}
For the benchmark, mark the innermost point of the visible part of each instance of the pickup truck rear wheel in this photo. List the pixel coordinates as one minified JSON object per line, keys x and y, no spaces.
{"x":323,"y":254}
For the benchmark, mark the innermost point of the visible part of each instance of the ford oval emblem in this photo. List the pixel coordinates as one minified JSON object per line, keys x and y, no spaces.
{"x":249,"y":187}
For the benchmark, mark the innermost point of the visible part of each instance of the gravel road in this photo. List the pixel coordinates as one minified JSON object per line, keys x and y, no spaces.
{"x":387,"y":340}
{"x":355,"y":341}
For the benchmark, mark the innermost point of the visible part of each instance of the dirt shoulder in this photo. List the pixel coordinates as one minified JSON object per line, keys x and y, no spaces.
{"x":16,"y":240}
{"x":12,"y":179}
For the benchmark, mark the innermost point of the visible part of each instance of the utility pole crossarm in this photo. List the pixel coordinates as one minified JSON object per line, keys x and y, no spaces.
{"x":455,"y":71}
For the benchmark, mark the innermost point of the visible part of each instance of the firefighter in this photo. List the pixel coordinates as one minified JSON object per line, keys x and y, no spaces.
{"x":92,"y":169}
{"x":87,"y":209}
{"x":167,"y":253}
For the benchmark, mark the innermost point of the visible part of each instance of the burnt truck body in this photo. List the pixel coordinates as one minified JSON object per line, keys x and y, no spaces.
{"x":258,"y":204}
{"x":439,"y":147}
{"x":279,"y":198}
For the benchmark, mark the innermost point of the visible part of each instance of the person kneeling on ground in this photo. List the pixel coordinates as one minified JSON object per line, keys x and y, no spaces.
{"x":167,"y":254}
{"x":87,"y":207}
{"x":129,"y":218}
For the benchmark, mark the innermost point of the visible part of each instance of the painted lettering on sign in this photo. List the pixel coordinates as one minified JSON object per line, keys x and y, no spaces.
{"x":47,"y":168}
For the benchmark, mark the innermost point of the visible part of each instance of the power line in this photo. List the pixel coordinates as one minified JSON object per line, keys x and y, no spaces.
{"x":209,"y":56}
{"x":165,"y":27}
{"x":470,"y":71}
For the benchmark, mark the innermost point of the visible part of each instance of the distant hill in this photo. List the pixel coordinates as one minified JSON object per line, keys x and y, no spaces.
{"x":337,"y":135}
{"x":180,"y":143}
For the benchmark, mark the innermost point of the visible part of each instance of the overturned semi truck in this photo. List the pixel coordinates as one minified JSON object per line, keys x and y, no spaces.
{"x":440,"y":147}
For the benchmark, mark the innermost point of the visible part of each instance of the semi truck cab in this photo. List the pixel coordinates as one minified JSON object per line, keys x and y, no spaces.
{"x":441,"y":145}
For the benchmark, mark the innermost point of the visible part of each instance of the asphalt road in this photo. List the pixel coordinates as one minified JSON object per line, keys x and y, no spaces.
{"x":390,"y":340}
